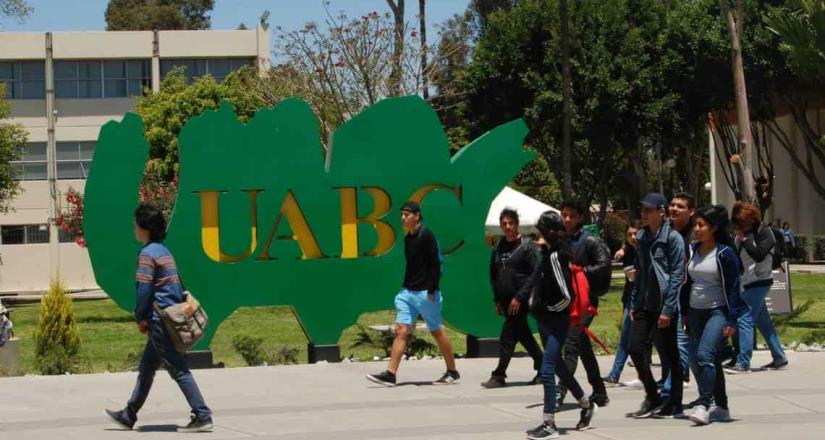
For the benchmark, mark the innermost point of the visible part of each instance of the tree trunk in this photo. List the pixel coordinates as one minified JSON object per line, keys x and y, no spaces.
{"x":735,"y":28}
{"x":566,"y":141}
{"x":425,"y":85}
{"x":398,"y":51}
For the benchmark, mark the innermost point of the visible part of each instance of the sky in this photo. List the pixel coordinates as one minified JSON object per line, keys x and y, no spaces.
{"x":88,"y":15}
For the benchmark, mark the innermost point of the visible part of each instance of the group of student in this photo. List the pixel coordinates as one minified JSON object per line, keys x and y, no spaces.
{"x":689,"y":285}
{"x":694,"y":277}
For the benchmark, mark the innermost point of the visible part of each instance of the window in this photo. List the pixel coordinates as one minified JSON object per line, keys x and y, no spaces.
{"x":24,"y":79}
{"x":101,"y":79}
{"x":74,"y":159}
{"x":32,"y":163}
{"x":24,"y":234}
{"x":218,"y":68}
{"x":65,"y":237}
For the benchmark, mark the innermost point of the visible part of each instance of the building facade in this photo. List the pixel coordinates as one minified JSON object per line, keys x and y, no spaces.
{"x":63,"y":87}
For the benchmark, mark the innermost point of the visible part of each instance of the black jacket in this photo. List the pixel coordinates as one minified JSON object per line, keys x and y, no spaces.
{"x":510,"y":271}
{"x":423,"y":262}
{"x":553,"y":292}
{"x":590,"y":252}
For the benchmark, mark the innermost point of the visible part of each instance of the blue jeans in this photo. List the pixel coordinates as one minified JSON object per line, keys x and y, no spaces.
{"x":553,"y":331}
{"x":159,"y":349}
{"x":621,"y":349}
{"x":706,"y":327}
{"x":755,"y":299}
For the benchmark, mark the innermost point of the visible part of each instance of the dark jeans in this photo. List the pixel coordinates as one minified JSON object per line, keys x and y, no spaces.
{"x":159,"y":350}
{"x":643,"y":332}
{"x":553,"y":331}
{"x":705,"y":328}
{"x":516,"y":330}
{"x":578,"y":345}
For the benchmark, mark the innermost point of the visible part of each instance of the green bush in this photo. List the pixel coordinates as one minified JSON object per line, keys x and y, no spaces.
{"x":283,"y":355}
{"x":250,"y":348}
{"x":814,"y":337}
{"x":613,"y":233}
{"x":819,"y":247}
{"x":57,"y":338}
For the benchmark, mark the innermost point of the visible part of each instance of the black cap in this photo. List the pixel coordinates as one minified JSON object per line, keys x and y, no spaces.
{"x":654,"y":200}
{"x":411,"y":207}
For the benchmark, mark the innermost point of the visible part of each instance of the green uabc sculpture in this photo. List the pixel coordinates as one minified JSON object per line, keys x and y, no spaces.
{"x":262,"y":218}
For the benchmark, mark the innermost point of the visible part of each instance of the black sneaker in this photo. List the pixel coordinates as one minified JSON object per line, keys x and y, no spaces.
{"x":601,"y":399}
{"x":543,"y":431}
{"x":386,"y":378}
{"x":731,"y":363}
{"x":537,"y":380}
{"x":120,"y":418}
{"x":449,"y":378}
{"x":736,"y":369}
{"x":669,"y":411}
{"x":611,"y":382}
{"x":587,"y":416}
{"x":494,"y":382}
{"x":776,"y":365}
{"x":645,"y":411}
{"x":197,"y":425}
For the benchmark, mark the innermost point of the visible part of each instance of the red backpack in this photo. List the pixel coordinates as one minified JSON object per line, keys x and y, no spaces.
{"x":581,"y":305}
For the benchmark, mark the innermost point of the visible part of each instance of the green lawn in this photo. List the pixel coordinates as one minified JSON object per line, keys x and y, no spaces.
{"x":112,"y":343}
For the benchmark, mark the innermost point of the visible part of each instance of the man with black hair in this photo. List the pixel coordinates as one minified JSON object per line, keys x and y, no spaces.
{"x":591,"y":253}
{"x":419,"y":295}
{"x":680,"y":213}
{"x":513,"y":260}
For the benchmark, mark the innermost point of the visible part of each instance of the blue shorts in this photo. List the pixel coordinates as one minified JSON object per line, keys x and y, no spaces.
{"x":409,"y":304}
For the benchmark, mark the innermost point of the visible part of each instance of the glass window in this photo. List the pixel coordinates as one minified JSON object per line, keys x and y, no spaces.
{"x":87,"y":150}
{"x":101,"y":79}
{"x":24,"y":79}
{"x":65,"y":70}
{"x":31,"y":164}
{"x":13,"y":234}
{"x":74,"y":159}
{"x":37,"y":234}
{"x":69,"y":170}
{"x":218,"y":68}
{"x":34,"y":151}
{"x":89,"y":89}
{"x":33,"y":171}
{"x":65,"y":237}
{"x":114,"y":69}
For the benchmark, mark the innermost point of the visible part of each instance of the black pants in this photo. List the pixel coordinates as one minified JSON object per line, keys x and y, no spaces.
{"x":516,"y":330}
{"x":644,"y":331}
{"x":578,"y":345}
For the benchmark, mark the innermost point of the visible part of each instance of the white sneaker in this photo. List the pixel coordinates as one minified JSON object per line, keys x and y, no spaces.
{"x":635,"y":384}
{"x":699,"y":415}
{"x":719,"y":414}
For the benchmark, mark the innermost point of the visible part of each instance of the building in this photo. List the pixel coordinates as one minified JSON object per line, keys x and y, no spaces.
{"x":63,"y":87}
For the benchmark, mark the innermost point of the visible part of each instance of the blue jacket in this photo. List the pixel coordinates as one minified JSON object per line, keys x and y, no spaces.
{"x":728,"y":265}
{"x":666,"y":251}
{"x":156,"y":281}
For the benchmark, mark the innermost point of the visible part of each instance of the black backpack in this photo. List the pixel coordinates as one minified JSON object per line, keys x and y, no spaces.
{"x":779,"y":252}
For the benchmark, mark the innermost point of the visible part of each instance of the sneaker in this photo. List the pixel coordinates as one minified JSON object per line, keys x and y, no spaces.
{"x":120,"y":418}
{"x":386,"y":378}
{"x":719,"y":414}
{"x":635,"y":384}
{"x":700,"y":415}
{"x":645,"y":411}
{"x":449,"y":378}
{"x":537,"y":380}
{"x":737,"y":369}
{"x":543,"y":431}
{"x":587,"y":416}
{"x":611,"y":382}
{"x":695,"y":403}
{"x":494,"y":382}
{"x":669,"y":411}
{"x":197,"y":425}
{"x":731,"y":363}
{"x":601,"y":399}
{"x":776,"y":365}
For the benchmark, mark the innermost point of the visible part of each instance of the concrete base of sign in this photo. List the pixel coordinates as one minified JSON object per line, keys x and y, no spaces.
{"x":329,"y":353}
{"x":201,"y":359}
{"x":10,"y":358}
{"x":481,"y":347}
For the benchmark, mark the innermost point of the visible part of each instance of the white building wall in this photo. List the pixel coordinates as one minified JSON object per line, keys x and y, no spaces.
{"x":25,"y":268}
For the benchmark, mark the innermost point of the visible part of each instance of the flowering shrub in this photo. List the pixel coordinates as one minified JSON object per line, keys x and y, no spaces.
{"x":71,"y":220}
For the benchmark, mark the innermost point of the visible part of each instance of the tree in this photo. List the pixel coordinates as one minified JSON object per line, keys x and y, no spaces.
{"x":12,"y":139}
{"x":566,"y":148}
{"x":735,"y":25}
{"x":16,"y":9}
{"x":422,"y":27}
{"x":397,"y":7}
{"x":135,"y":15}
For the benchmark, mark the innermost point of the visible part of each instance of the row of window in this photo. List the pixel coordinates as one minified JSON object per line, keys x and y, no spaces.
{"x":103,"y":79}
{"x":73,"y":160}
{"x":30,"y":234}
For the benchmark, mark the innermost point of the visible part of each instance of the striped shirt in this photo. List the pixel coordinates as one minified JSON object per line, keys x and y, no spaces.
{"x":156,"y":280}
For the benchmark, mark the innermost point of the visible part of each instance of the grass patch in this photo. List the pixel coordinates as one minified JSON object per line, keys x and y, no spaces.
{"x":110,"y":341}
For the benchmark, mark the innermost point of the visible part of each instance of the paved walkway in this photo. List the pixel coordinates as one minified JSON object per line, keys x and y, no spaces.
{"x":333,"y":401}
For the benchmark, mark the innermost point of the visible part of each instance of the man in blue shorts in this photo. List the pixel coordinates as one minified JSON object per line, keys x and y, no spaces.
{"x":419,"y":295}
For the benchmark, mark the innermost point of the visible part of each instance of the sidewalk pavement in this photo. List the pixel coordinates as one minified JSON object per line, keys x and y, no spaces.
{"x":334,"y":401}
